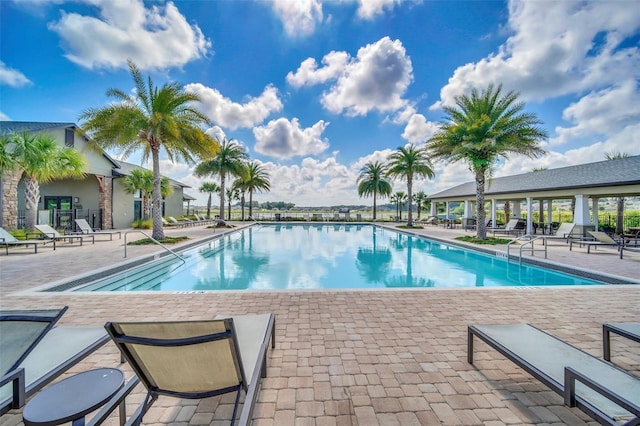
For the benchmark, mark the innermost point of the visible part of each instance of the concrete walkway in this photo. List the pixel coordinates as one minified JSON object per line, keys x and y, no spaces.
{"x":390,"y":357}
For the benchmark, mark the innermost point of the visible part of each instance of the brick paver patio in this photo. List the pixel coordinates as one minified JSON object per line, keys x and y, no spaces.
{"x":387,"y":357}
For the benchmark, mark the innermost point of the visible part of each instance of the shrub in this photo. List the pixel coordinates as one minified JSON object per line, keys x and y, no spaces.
{"x":142,"y":224}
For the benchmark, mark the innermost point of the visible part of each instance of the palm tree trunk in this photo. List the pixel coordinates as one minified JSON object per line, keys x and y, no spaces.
{"x":374,"y":206}
{"x":209,"y":206}
{"x":221,"y":212}
{"x":31,"y":195}
{"x":242,"y":204}
{"x":9,"y":205}
{"x":250,"y":204}
{"x":410,"y":200}
{"x":158,"y":230}
{"x":481,"y":228}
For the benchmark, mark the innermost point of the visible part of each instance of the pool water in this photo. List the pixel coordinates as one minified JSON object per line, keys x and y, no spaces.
{"x":276,"y":257}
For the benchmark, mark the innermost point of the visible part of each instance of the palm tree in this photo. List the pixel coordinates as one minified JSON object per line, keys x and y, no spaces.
{"x":421,"y":200}
{"x":142,"y":180}
{"x":227,"y":162}
{"x":153,"y":118}
{"x":232,"y":194}
{"x":38,"y":158}
{"x":614,"y":155}
{"x":371,"y":181}
{"x":410,"y":162}
{"x":257,"y":180}
{"x":209,"y":187}
{"x":240,"y":185}
{"x":484,"y":127}
{"x":399,"y":198}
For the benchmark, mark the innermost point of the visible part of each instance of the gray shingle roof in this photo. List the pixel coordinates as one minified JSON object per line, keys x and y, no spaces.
{"x":622,"y":171}
{"x":7,"y":127}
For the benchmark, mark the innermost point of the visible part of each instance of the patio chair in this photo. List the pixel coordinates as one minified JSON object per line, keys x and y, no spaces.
{"x":7,"y":240}
{"x":85,"y":228}
{"x":629,"y":330}
{"x":600,"y":389}
{"x":34,"y":352}
{"x":182,"y":222}
{"x":166,"y":223}
{"x":513,"y":227}
{"x":52,"y":234}
{"x":563,"y":232}
{"x":198,"y":359}
{"x":599,"y":239}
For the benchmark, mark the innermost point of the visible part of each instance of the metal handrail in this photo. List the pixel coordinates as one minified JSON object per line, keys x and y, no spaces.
{"x":152,"y":239}
{"x":528,"y":239}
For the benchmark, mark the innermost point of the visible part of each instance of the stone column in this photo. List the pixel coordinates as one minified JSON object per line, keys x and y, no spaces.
{"x":9,"y":215}
{"x":105,"y":200}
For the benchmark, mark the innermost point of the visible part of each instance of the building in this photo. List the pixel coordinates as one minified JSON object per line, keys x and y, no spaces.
{"x":584,"y":183}
{"x":99,"y":197}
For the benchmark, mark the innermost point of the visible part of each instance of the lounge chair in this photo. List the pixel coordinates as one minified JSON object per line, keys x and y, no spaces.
{"x":34,"y":352}
{"x":563,"y":232}
{"x":602,"y":390}
{"x":182,"y":222}
{"x":513,"y":227}
{"x":431,"y":220}
{"x":85,"y":228}
{"x":630,"y":330}
{"x":599,"y":239}
{"x":166,"y":223}
{"x":198,"y":359}
{"x":7,"y":240}
{"x":54,"y":235}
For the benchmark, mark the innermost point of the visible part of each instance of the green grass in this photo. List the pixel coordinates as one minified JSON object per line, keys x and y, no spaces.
{"x":490,"y":240}
{"x":167,"y":240}
{"x":410,"y":227}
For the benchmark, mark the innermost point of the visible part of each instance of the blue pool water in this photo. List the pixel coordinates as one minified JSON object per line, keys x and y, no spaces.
{"x":273,"y":257}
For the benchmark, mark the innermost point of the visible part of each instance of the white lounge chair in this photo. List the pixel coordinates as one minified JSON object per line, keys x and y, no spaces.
{"x":599,"y":239}
{"x":85,"y":228}
{"x":564,"y":232}
{"x":8,"y":240}
{"x":52,"y":234}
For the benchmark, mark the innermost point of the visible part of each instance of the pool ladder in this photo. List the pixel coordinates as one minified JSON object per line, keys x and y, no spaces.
{"x":152,"y":239}
{"x":523,"y":242}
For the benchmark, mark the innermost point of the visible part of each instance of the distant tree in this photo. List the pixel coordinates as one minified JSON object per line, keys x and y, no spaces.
{"x":232,"y":194}
{"x":410,"y":162}
{"x":142,"y":180}
{"x":399,"y":198}
{"x":483,"y":127}
{"x":614,"y":155}
{"x":151,"y":119}
{"x":38,"y":158}
{"x":229,"y":161}
{"x":257,"y":180}
{"x":371,"y":181}
{"x":209,"y":188}
{"x":421,"y":200}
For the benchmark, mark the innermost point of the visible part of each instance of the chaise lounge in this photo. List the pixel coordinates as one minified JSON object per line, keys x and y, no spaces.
{"x":629,"y":330}
{"x":198,"y":359}
{"x":51,"y":234}
{"x":598,"y":239}
{"x":600,"y":389}
{"x":563,"y":233}
{"x":85,"y":228}
{"x":7,"y":240}
{"x":35,"y":352}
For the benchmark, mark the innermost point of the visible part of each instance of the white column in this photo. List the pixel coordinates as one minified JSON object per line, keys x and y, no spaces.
{"x":468,"y":212}
{"x":446,"y":210}
{"x":581,"y":214}
{"x":434,"y":208}
{"x":493,"y":212}
{"x":549,"y":211}
{"x":594,"y":211}
{"x":516,"y":209}
{"x":529,"y":215}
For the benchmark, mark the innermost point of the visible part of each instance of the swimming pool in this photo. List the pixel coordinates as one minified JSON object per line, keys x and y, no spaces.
{"x":295,"y":256}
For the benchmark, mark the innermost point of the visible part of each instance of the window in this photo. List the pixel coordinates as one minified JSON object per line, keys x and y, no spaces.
{"x":69,"y":137}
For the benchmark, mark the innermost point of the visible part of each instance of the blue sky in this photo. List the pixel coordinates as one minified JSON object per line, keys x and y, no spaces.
{"x":315,"y":89}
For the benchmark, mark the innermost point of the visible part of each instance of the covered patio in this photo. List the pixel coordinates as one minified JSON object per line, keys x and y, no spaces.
{"x":584,"y":183}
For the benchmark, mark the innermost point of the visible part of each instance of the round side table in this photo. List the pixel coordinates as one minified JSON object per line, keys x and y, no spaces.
{"x":71,"y":399}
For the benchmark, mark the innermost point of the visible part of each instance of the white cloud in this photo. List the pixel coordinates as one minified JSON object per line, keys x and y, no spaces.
{"x":231,"y":115}
{"x":308,"y":73}
{"x":375,"y":80}
{"x":285,"y":139}
{"x":605,"y":112}
{"x":299,"y":17}
{"x":562,"y":48}
{"x":4,"y":117}
{"x":418,"y":129}
{"x":369,"y":9}
{"x":155,"y":38}
{"x":12,"y":77}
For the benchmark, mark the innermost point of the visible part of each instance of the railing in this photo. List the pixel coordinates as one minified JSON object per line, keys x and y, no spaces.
{"x":152,"y":239}
{"x":523,"y":242}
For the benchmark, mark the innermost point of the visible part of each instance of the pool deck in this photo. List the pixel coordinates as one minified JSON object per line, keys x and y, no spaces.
{"x":355,"y":357}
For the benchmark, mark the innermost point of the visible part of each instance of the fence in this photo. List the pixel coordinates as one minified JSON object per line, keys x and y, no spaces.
{"x":65,"y":219}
